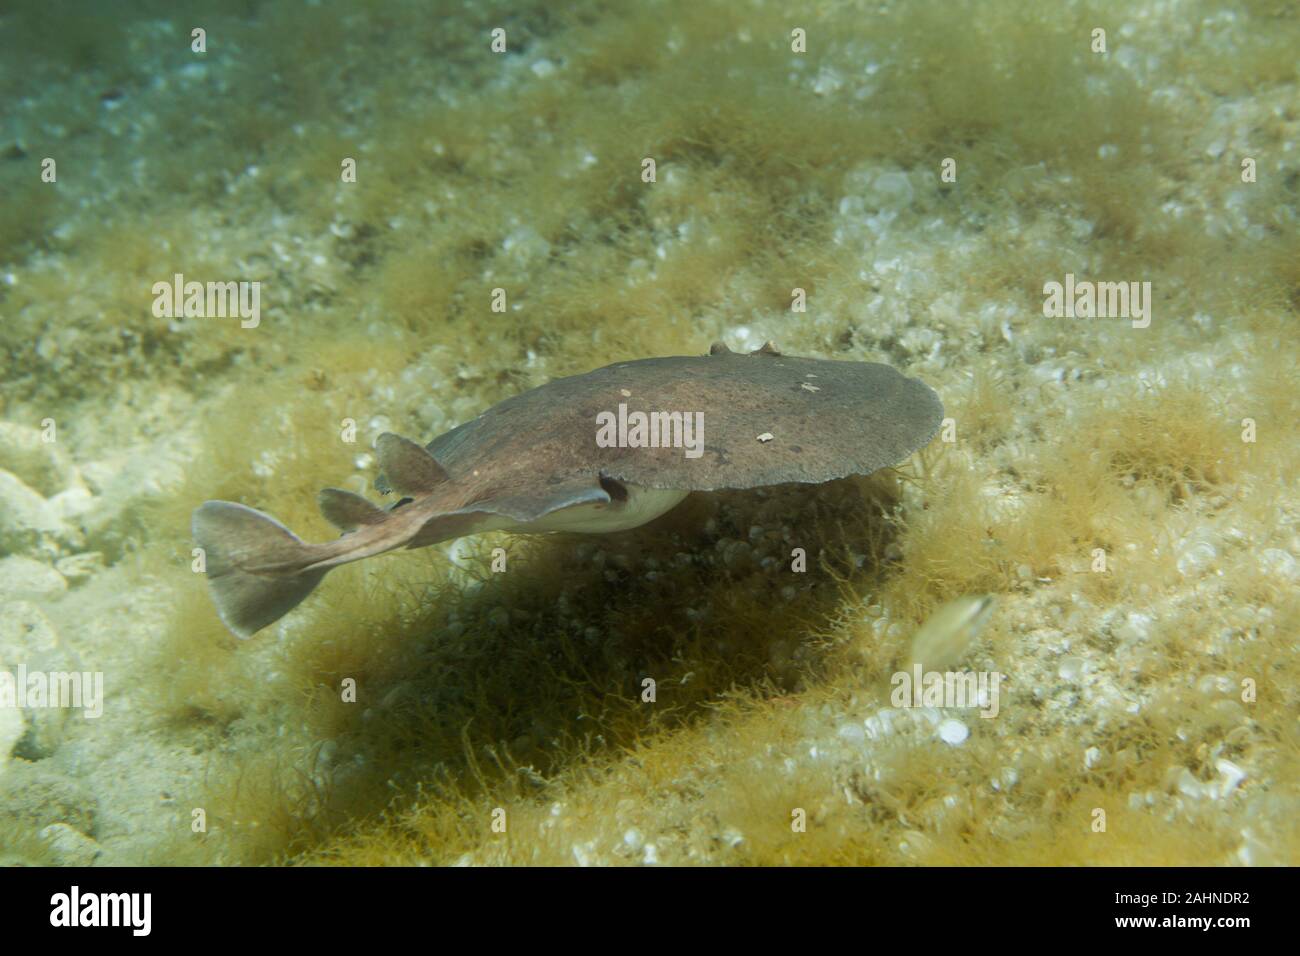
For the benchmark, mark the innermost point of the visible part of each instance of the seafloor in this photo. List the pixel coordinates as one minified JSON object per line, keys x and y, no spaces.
{"x":1149,"y":710}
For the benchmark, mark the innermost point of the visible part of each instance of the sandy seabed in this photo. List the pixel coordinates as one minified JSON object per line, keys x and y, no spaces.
{"x":901,"y":186}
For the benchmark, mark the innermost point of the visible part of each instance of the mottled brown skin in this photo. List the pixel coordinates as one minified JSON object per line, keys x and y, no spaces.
{"x":860,"y":418}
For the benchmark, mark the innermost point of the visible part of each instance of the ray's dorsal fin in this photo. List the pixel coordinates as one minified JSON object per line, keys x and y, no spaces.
{"x":408,"y":468}
{"x":767,"y":348}
{"x":347,"y":511}
{"x":719,"y":348}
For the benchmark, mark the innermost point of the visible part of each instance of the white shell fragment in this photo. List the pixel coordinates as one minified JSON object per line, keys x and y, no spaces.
{"x":953,"y":732}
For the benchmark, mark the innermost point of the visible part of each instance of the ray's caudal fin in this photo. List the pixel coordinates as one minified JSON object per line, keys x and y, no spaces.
{"x":258,"y":570}
{"x":255,"y":565}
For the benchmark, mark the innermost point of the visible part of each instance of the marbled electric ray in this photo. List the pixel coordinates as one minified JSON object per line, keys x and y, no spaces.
{"x":546,"y":460}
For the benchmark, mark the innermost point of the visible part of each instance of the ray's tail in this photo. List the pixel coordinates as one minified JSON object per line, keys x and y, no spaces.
{"x":258,"y":570}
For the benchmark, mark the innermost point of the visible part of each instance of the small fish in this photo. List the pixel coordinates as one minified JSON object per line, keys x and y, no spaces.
{"x":547,"y":460}
{"x":950,"y":631}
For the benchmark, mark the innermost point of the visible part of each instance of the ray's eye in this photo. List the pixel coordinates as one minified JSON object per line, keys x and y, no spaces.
{"x":404,"y":501}
{"x":616,"y":490}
